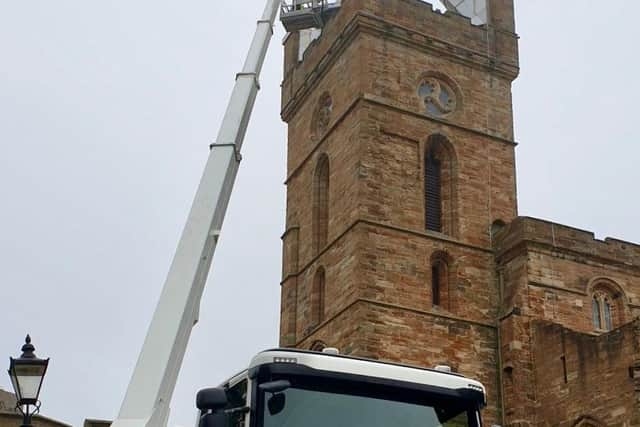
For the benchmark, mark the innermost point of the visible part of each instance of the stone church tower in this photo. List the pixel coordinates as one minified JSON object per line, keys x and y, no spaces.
{"x":402,"y":239}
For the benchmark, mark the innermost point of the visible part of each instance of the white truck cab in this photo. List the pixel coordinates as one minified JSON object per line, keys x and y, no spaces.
{"x":296,"y":388}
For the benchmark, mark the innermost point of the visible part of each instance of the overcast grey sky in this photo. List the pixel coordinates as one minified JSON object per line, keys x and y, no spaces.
{"x":106,"y":112}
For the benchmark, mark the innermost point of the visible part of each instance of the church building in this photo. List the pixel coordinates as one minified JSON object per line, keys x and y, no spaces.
{"x":403,"y":241}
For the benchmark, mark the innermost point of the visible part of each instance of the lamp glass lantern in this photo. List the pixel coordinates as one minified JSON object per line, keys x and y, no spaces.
{"x":27,"y":373}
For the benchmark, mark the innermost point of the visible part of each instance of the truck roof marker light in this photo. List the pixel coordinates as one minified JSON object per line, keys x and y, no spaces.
{"x":331,"y":350}
{"x":443,"y":368}
{"x":285,"y":360}
{"x":475,"y":387}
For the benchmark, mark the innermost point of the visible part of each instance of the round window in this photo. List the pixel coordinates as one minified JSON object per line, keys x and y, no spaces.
{"x":438,"y":97}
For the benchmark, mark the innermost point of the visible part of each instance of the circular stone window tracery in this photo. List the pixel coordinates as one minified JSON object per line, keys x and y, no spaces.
{"x":321,"y":116}
{"x":438,"y":96}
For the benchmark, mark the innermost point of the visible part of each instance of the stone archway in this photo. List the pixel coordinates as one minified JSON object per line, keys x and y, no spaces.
{"x":318,"y":346}
{"x":587,"y":421}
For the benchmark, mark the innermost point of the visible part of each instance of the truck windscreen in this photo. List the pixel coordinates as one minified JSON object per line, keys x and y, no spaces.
{"x":335,"y":405}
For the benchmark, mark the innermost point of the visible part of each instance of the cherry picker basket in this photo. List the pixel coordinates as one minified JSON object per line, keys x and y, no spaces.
{"x":299,"y":15}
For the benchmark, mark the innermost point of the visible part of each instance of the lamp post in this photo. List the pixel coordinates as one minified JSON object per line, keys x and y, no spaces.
{"x":27,"y":373}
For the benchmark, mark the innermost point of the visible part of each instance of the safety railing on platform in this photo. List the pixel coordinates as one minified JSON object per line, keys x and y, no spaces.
{"x":298,"y":15}
{"x":290,"y":6}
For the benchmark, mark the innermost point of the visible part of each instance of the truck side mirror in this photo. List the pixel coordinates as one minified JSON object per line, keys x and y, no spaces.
{"x":276,"y":403}
{"x":211,"y":403}
{"x":216,"y":419}
{"x":211,"y":399}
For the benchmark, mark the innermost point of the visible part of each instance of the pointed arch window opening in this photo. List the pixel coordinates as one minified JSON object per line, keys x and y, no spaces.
{"x":607,"y":315}
{"x":318,"y":346}
{"x":597,"y":319}
{"x":436,"y":285}
{"x":320,"y":214}
{"x":433,"y":192}
{"x":440,"y":196}
{"x":587,"y":421}
{"x":603,"y":312}
{"x":440,"y":291}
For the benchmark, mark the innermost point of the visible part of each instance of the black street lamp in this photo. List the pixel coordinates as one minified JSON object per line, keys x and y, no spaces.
{"x":27,"y":373}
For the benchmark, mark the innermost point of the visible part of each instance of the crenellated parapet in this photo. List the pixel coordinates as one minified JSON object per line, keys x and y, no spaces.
{"x":567,"y":240}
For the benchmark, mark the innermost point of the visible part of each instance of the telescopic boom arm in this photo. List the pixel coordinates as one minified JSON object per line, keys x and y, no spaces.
{"x":146,"y":403}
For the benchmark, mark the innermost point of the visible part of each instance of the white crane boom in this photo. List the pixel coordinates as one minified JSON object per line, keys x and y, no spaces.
{"x":146,"y":403}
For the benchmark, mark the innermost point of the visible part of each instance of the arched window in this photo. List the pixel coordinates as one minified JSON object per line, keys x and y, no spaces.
{"x":320,"y":212}
{"x":496,"y":227}
{"x":606,"y":309}
{"x":318,"y":346}
{"x":433,"y":192}
{"x":607,"y":305}
{"x":439,"y":186}
{"x":596,"y":313}
{"x":436,"y":283}
{"x":318,"y":298}
{"x":440,"y":296}
{"x":587,"y":421}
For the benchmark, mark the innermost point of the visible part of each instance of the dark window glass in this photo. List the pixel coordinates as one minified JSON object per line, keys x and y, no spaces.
{"x":607,"y":315}
{"x":433,"y":193}
{"x":597,"y":320}
{"x":311,"y":408}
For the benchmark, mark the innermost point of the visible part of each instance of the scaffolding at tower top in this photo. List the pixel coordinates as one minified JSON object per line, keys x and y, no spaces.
{"x":299,"y":15}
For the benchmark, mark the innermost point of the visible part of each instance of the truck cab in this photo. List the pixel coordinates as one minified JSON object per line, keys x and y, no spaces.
{"x":296,"y":388}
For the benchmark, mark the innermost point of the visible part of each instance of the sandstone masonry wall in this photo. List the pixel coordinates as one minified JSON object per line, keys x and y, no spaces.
{"x":585,"y":376}
{"x":548,"y":276}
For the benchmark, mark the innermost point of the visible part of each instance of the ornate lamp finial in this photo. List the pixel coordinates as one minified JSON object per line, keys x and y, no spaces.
{"x":28,"y":349}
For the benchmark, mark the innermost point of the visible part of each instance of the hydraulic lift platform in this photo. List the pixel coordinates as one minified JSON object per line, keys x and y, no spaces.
{"x":299,"y":15}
